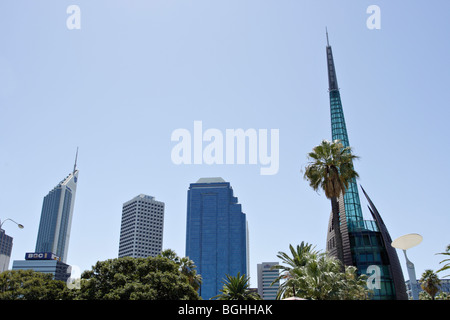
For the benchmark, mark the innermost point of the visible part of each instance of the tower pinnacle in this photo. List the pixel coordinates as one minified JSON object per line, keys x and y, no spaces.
{"x":75,"y":164}
{"x":332,"y":79}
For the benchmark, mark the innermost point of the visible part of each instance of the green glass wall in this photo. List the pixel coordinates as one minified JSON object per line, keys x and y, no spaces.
{"x":367,"y":248}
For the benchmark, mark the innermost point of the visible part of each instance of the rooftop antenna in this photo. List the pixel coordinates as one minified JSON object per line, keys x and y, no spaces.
{"x":75,"y":165}
{"x":328,"y":43}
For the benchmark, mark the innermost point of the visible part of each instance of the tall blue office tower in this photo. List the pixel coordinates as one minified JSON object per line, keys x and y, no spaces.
{"x":216,"y":233}
{"x":56,"y":217}
{"x":365,"y":244}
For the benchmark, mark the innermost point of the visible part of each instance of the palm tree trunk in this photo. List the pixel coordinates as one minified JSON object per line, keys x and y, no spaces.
{"x":337,"y":230}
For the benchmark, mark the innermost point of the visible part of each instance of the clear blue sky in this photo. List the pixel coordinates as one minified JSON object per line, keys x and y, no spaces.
{"x":137,"y":70}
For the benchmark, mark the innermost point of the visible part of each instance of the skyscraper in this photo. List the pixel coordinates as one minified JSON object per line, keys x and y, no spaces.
{"x":216,"y":233}
{"x":267,"y":288}
{"x":52,"y":242}
{"x":56,"y":216}
{"x":6,"y":243}
{"x":141,"y":231}
{"x":366,"y":244}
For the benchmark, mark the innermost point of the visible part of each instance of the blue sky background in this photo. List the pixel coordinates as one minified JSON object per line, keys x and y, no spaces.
{"x":137,"y":70}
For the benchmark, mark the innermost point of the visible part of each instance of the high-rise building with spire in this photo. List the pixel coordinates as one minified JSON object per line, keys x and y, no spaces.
{"x":365,"y":244}
{"x":56,"y":216}
{"x":52,"y":242}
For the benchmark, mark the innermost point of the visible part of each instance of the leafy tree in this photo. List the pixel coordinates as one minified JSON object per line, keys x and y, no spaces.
{"x":447,"y":265}
{"x":440,"y":296}
{"x":330,"y":169}
{"x":237,"y":288}
{"x":151,"y":278}
{"x":31,"y":285}
{"x":429,"y":282}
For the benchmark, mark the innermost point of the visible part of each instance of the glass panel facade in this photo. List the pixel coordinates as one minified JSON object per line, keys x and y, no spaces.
{"x":49,"y":217}
{"x":64,"y":226}
{"x":367,"y":248}
{"x":368,"y":251}
{"x":339,"y":132}
{"x":366,"y":245}
{"x":58,"y":269}
{"x":215,"y":235}
{"x":56,"y":218}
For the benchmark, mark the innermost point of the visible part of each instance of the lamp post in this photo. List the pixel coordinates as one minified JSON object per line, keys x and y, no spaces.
{"x":4,"y":255}
{"x":404,"y":243}
{"x":18,"y":224}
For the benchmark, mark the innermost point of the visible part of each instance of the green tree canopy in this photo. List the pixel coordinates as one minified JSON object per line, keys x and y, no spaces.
{"x":151,"y":278}
{"x":31,"y":285}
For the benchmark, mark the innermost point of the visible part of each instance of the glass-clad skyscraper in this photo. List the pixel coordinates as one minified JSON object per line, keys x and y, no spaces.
{"x":56,"y":217}
{"x":366,"y":244}
{"x":216,"y":233}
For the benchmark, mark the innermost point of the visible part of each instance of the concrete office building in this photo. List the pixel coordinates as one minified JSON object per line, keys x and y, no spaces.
{"x":267,"y":289}
{"x":141,"y":231}
{"x":6,"y":243}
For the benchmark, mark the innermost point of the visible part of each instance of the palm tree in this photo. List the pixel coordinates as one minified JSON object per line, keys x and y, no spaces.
{"x":186,"y":265}
{"x":320,"y":277}
{"x":298,"y":259}
{"x":354,"y":285}
{"x":237,"y":288}
{"x":331,"y":170}
{"x":171,"y":255}
{"x":447,"y":265}
{"x":189,"y":269}
{"x":430,"y":283}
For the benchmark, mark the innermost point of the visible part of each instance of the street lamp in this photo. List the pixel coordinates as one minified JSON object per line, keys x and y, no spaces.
{"x":4,"y":261}
{"x":18,"y":224}
{"x":407,"y":242}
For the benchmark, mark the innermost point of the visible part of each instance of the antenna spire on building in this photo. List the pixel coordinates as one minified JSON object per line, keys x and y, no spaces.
{"x":75,"y":165}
